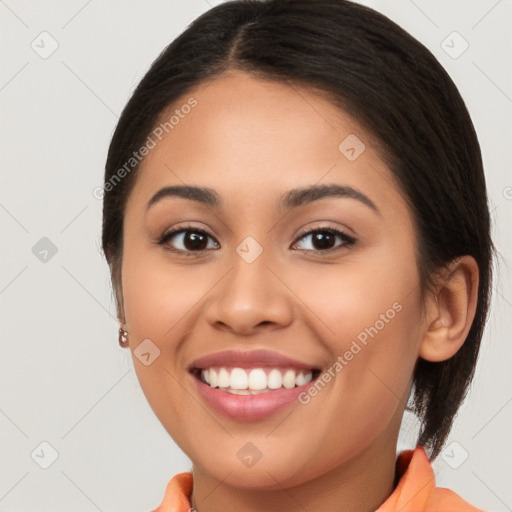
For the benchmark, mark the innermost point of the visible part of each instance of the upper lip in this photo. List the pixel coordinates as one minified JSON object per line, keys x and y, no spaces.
{"x":248,"y":359}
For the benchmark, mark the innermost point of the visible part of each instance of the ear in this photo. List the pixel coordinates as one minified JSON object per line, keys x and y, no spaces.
{"x":451,"y":310}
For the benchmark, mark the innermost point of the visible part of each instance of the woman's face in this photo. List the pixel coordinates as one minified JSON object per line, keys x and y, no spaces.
{"x":259,"y":280}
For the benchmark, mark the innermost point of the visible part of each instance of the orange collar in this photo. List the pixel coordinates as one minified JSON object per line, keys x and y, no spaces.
{"x":416,"y":490}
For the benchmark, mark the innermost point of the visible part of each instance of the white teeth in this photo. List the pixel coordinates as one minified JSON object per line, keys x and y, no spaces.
{"x":274,"y":379}
{"x":240,"y":381}
{"x":300,"y":379}
{"x":239,"y":391}
{"x":304,"y":378}
{"x":213,"y":378}
{"x":223,"y":378}
{"x":289,"y":379}
{"x":246,"y":391}
{"x":256,"y":392}
{"x":257,"y":379}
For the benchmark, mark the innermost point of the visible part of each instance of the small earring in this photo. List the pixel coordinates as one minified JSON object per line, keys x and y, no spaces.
{"x":123,"y":338}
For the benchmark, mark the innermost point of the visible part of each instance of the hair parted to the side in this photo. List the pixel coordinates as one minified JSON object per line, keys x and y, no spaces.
{"x":374,"y":70}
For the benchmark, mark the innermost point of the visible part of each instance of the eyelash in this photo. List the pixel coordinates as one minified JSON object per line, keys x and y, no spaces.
{"x":347,"y":239}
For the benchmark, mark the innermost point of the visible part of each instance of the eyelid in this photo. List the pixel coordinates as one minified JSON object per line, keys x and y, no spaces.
{"x":183,"y":228}
{"x":324,"y":227}
{"x":347,"y":239}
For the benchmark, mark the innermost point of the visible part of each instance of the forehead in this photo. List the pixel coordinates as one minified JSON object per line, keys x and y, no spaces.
{"x":251,"y":138}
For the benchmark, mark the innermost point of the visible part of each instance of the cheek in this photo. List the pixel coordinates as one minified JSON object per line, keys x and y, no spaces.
{"x":367,"y":314}
{"x":371,"y":291}
{"x":158,"y":295}
{"x":156,"y":298}
{"x":367,"y":385}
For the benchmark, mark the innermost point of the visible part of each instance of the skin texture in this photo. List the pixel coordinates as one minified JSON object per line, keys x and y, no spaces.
{"x":253,"y":140}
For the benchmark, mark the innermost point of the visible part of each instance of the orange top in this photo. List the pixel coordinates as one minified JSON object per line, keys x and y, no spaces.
{"x":416,"y":490}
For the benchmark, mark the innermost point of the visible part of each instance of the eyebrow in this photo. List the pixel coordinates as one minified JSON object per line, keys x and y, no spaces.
{"x":291,"y":199}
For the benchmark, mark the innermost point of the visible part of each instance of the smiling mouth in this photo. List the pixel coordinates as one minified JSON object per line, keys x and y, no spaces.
{"x":254,"y":381}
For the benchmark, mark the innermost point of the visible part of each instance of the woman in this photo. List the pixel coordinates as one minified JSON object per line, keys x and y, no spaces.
{"x":296,"y":224}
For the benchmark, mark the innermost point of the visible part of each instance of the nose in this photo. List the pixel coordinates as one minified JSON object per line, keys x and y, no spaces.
{"x":250,"y":298}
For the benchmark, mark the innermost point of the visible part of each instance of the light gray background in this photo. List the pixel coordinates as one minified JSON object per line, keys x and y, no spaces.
{"x":64,"y":379}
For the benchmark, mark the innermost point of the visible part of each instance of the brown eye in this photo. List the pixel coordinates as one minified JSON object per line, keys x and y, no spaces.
{"x":323,"y":239}
{"x":188,"y":240}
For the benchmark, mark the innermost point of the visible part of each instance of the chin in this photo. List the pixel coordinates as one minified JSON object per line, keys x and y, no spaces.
{"x":267,"y":473}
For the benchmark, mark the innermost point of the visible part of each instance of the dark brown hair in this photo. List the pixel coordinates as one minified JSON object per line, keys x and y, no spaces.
{"x":374,"y":70}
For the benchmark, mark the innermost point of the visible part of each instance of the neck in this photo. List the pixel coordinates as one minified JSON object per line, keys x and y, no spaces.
{"x":359,"y":485}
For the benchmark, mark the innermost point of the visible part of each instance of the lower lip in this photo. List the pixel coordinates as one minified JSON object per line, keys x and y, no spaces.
{"x":249,"y":407}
